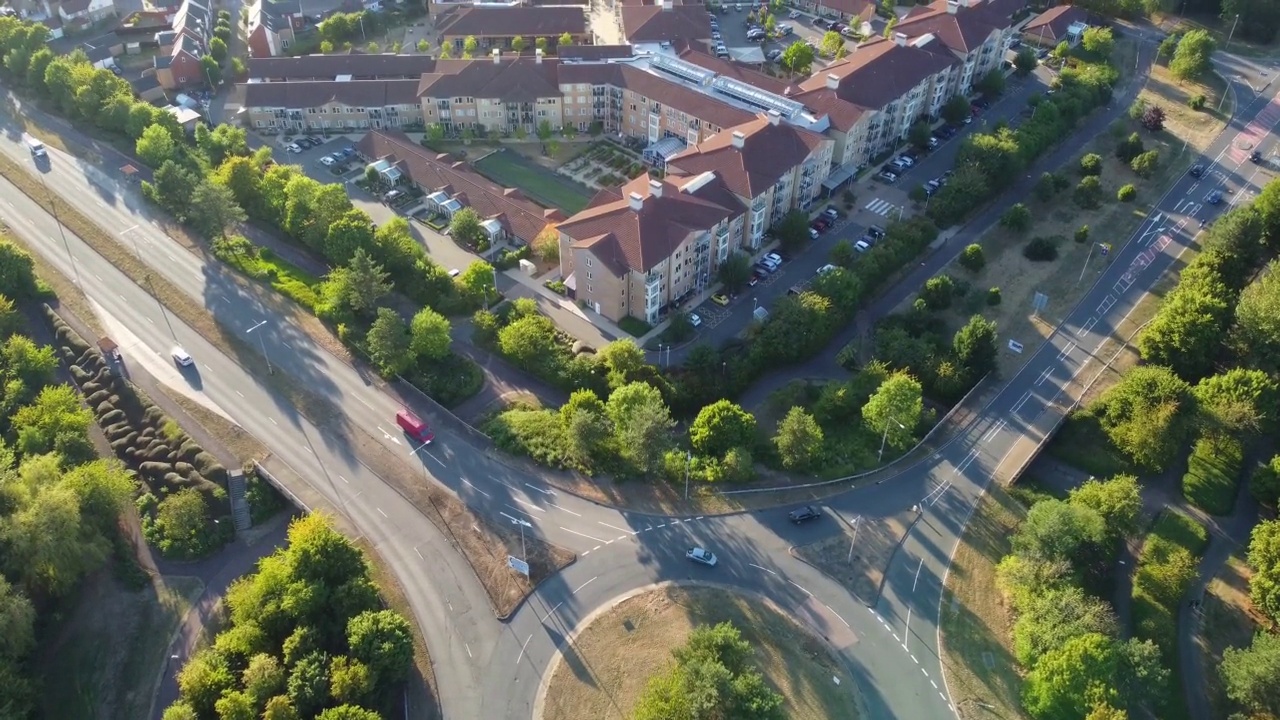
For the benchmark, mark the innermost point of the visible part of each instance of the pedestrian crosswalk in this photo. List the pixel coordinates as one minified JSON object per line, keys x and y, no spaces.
{"x":880,"y":207}
{"x":1255,"y":132}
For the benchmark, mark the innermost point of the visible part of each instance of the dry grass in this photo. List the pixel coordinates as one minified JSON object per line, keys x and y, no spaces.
{"x":1229,"y":619}
{"x":1197,"y":127}
{"x":104,"y":660}
{"x":977,"y":648}
{"x":605,"y":668}
{"x":243,"y":446}
{"x":861,"y":571}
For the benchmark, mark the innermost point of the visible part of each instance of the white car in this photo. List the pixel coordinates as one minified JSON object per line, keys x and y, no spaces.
{"x":794,"y":15}
{"x":695,"y":320}
{"x":181,"y":357}
{"x":699,"y":555}
{"x":293,"y":148}
{"x":861,"y":246}
{"x":826,"y":268}
{"x":774,"y":258}
{"x":327,"y":160}
{"x":905,"y":160}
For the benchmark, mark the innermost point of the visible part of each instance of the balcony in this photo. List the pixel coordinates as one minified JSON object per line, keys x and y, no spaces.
{"x":808,"y":170}
{"x":722,"y":233}
{"x":758,"y":204}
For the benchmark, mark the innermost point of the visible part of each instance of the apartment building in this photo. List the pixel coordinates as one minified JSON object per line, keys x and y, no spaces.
{"x":771,"y":167}
{"x":450,"y":185}
{"x":640,"y":249}
{"x":977,"y":32}
{"x":1055,"y":25}
{"x":333,"y":106}
{"x":496,"y":27}
{"x":272,"y":24}
{"x":858,"y":11}
{"x":663,"y":21}
{"x":177,"y":63}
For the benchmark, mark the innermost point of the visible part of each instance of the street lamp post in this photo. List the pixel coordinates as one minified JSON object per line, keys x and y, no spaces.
{"x":854,"y":539}
{"x":688,"y":464}
{"x":1231,"y":34}
{"x":524,"y":553}
{"x":885,"y":438}
{"x":53,"y":205}
{"x":263,"y":341}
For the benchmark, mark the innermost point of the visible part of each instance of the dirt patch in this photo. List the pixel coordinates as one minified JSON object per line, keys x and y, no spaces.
{"x":605,"y":669}
{"x":857,"y":557}
{"x":976,"y":632}
{"x":104,"y":661}
{"x":1197,"y":127}
{"x":1229,"y":619}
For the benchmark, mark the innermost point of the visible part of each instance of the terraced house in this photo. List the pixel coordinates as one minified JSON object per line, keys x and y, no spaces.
{"x":177,"y":64}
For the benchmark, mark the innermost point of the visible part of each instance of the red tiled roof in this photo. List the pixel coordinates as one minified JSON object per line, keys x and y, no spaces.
{"x":768,"y":152}
{"x":654,"y":23}
{"x":627,"y":239}
{"x":963,"y":30}
{"x":1053,"y":23}
{"x":520,"y":217}
{"x":863,"y":9}
{"x":878,"y":72}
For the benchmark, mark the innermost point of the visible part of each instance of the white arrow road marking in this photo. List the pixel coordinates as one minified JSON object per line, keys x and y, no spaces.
{"x":473,"y":487}
{"x":529,"y":504}
{"x":534,"y":487}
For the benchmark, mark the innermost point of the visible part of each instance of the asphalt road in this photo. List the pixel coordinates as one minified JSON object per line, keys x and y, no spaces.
{"x":487,"y":669}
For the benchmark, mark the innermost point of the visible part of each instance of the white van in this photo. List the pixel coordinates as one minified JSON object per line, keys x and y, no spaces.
{"x":36,"y":147}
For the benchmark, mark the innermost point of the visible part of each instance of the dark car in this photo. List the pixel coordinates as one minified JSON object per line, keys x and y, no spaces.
{"x":1197,"y":170}
{"x":1255,"y":157}
{"x":1214,"y":198}
{"x":804,"y":514}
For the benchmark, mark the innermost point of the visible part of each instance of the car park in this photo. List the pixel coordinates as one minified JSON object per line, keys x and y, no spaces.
{"x":888,"y":176}
{"x":1197,"y":170}
{"x":720,"y":299}
{"x":181,"y":357}
{"x":1214,"y":198}
{"x":695,"y":319}
{"x":804,"y":514}
{"x":700,"y":555}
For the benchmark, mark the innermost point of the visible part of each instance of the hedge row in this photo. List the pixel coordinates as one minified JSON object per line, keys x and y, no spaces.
{"x":1165,"y":571}
{"x":1213,"y":474}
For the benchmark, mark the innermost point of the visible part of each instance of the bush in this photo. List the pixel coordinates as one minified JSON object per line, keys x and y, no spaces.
{"x":1166,"y":569}
{"x":1091,"y":164}
{"x":1082,"y":234}
{"x":1213,"y":473}
{"x":1088,"y":194}
{"x":972,"y":258}
{"x":1144,"y":165}
{"x":1127,"y":193}
{"x":1130,"y":148}
{"x":1041,"y":250}
{"x":1196,"y":102}
{"x":993,"y":296}
{"x":938,"y":292}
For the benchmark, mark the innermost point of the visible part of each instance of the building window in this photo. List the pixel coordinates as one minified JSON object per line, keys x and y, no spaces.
{"x":589,"y":291}
{"x":588,"y":262}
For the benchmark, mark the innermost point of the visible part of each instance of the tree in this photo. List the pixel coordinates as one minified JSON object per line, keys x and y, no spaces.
{"x":831,"y":43}
{"x":957,"y":109}
{"x":1252,"y":674}
{"x":1117,"y":501}
{"x":540,"y":44}
{"x":798,"y":58}
{"x":309,"y":684}
{"x":1098,"y":42}
{"x":1017,"y":218}
{"x":1142,"y":414}
{"x":390,"y":346}
{"x":349,"y":680}
{"x":1265,"y":483}
{"x":793,"y":230}
{"x":180,"y":710}
{"x":218,"y":49}
{"x":1057,"y":530}
{"x":1049,"y":619}
{"x":624,"y":363}
{"x":1256,"y":331}
{"x":720,"y":427}
{"x":975,"y":347}
{"x":1264,"y":556}
{"x":735,"y":272}
{"x":211,"y":71}
{"x":518,"y":44}
{"x":564,"y":39}
{"x":544,"y":130}
{"x":469,"y":46}
{"x":155,"y":146}
{"x":1046,"y":187}
{"x":17,"y":271}
{"x":546,"y":246}
{"x":992,"y":83}
{"x":895,"y":408}
{"x":799,"y":439}
{"x":366,"y":282}
{"x":348,"y":712}
{"x":1091,"y":164}
{"x":17,"y":623}
{"x":213,"y":209}
{"x":54,"y":416}
{"x":1153,"y":118}
{"x":1065,"y":683}
{"x":1167,"y":47}
{"x":1024,"y":63}
{"x":938,"y":291}
{"x":235,"y":705}
{"x":641,"y":422}
{"x":446,"y":50}
{"x":104,"y":487}
{"x":263,"y":678}
{"x":1144,"y":166}
{"x":1088,"y":193}
{"x":1239,"y":401}
{"x":424,"y":46}
{"x":203,"y":680}
{"x":972,"y":258}
{"x":1061,"y":51}
{"x":383,"y":641}
{"x":919,"y":133}
{"x":1191,"y":59}
{"x":429,"y":334}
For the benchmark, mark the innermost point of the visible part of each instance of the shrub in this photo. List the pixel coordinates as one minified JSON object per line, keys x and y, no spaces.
{"x":1082,"y":234}
{"x":1196,"y":102}
{"x":938,"y":292}
{"x":1091,"y":164}
{"x":1144,"y":165}
{"x":1088,"y":194}
{"x":972,"y":258}
{"x":1127,"y":193}
{"x":1041,"y":250}
{"x":1213,"y":471}
{"x":993,"y":296}
{"x":1130,"y":148}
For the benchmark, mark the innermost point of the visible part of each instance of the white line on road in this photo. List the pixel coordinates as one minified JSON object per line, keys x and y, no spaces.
{"x":1044,"y":376}
{"x":614,"y":527}
{"x":579,"y":588}
{"x":522,"y":647}
{"x":833,"y":612}
{"x":761,"y":567}
{"x":1017,"y":407}
{"x":273,"y":422}
{"x":917,"y":580}
{"x":415,"y":549}
{"x":468,"y":647}
{"x":575,"y":532}
{"x":240,"y":393}
{"x":913,"y":657}
{"x":906,"y":632}
{"x":344,"y":480}
{"x":662,"y":526}
{"x":551,"y":611}
{"x":931,"y":682}
{"x":433,"y":457}
{"x":529,"y":504}
{"x":509,"y":517}
{"x":153,"y":322}
{"x":623,"y":537}
{"x":473,"y":487}
{"x":380,"y":512}
{"x":362,"y":401}
{"x":534,"y":487}
{"x":806,"y":592}
{"x":565,"y":509}
{"x":995,"y":429}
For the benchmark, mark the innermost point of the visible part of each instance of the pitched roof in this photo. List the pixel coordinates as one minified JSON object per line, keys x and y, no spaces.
{"x":655,"y":23}
{"x":1053,"y":23}
{"x":356,"y":93}
{"x":627,"y":239}
{"x":518,"y":79}
{"x":431,"y":171}
{"x":864,"y":9}
{"x":962,"y":26}
{"x":273,"y":14}
{"x":770,"y":149}
{"x":330,"y":67}
{"x":694,"y":53}
{"x":594,"y":52}
{"x":511,"y":21}
{"x":878,"y":72}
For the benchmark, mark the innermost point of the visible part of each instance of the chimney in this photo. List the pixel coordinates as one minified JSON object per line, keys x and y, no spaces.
{"x":739,"y":139}
{"x":833,"y":81}
{"x":497,"y":56}
{"x":636,"y":201}
{"x":537,"y":56}
{"x":900,"y":38}
{"x":953,"y":6}
{"x":655,"y":188}
{"x":774,"y":117}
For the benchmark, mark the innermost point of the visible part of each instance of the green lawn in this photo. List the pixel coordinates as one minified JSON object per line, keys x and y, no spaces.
{"x":510,"y":169}
{"x":1213,"y":474}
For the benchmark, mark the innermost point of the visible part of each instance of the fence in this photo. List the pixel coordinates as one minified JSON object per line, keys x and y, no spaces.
{"x":442,"y":411}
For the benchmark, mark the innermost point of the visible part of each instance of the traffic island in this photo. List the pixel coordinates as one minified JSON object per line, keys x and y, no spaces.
{"x":857,"y":557}
{"x":605,"y":665}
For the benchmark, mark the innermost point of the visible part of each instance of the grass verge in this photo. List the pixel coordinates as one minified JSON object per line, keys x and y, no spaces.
{"x":977,"y":626}
{"x":1213,"y":474}
{"x":857,"y":557}
{"x":104,"y":661}
{"x":511,"y":169}
{"x":605,"y":668}
{"x":1228,"y":619}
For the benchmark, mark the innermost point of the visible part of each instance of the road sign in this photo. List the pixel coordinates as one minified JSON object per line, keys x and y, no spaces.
{"x":518,"y":565}
{"x":1104,"y":248}
{"x":1039,"y":301}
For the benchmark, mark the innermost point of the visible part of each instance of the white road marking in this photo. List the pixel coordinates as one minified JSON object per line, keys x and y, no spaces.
{"x":995,"y":429}
{"x":662,"y":525}
{"x":833,"y":612}
{"x":528,"y":504}
{"x":1044,"y":376}
{"x":579,"y":588}
{"x":473,"y":487}
{"x":761,"y":567}
{"x":433,"y":457}
{"x":551,"y":611}
{"x":534,"y":487}
{"x":273,"y":421}
{"x":917,"y":580}
{"x":806,"y":592}
{"x":575,"y":532}
{"x":380,"y":512}
{"x":522,"y":647}
{"x":565,"y":509}
{"x":240,"y":393}
{"x":415,"y":549}
{"x":614,"y":527}
{"x":468,"y":647}
{"x":344,"y":480}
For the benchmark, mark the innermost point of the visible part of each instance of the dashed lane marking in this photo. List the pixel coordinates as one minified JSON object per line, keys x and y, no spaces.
{"x":615,"y":527}
{"x":522,"y":647}
{"x":529,"y":504}
{"x":381,"y":513}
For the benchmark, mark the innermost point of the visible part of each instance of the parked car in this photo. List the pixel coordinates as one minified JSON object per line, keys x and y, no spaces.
{"x":820,"y":224}
{"x":783,"y":30}
{"x":765,"y":268}
{"x":934,"y":142}
{"x":720,"y":299}
{"x":826,"y":269}
{"x":327,"y":160}
{"x":414,"y":426}
{"x":794,"y":15}
{"x":814,"y":234}
{"x":181,"y":357}
{"x":804,"y":514}
{"x":392,"y":196}
{"x":722,"y":51}
{"x":1255,"y":157}
{"x":774,"y":55}
{"x":875,"y":231}
{"x":774,"y":258}
{"x":1197,"y":170}
{"x":695,"y":319}
{"x":699,"y":555}
{"x":293,"y":147}
{"x":888,"y":176}
{"x":831,"y":213}
{"x":906,"y":158}
{"x":756,"y":277}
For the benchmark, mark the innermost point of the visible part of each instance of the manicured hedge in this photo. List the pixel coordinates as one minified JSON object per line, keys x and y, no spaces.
{"x":1213,"y":474}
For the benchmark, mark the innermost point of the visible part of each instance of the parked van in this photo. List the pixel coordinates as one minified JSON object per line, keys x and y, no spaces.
{"x":36,"y":147}
{"x":414,"y":426}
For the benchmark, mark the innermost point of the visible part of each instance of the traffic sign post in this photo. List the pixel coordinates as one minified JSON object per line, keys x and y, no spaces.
{"x":518,"y":565}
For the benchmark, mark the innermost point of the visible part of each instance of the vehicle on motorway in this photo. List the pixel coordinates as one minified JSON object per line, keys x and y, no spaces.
{"x":699,"y":555}
{"x":36,"y":147}
{"x":1214,"y":198}
{"x":804,"y":514}
{"x":695,"y":319}
{"x":414,"y":426}
{"x":182,"y":357}
{"x":720,"y":299}
{"x":887,"y":176}
{"x":1197,"y":170}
